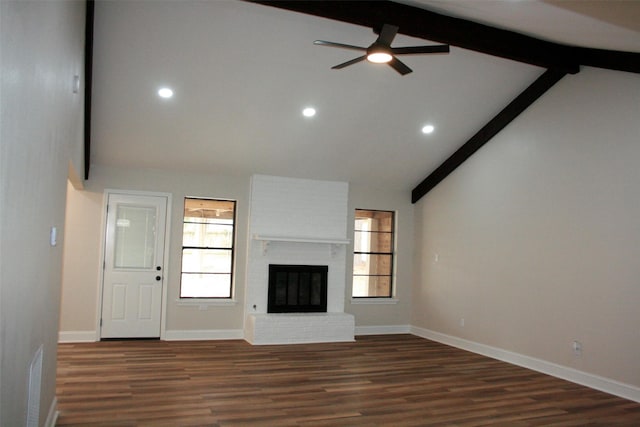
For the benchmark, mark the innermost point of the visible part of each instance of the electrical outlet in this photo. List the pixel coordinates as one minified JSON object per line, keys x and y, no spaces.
{"x":577,"y":348}
{"x":462,"y":322}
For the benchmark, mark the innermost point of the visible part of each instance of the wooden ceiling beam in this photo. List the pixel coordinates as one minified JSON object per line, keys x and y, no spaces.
{"x":88,"y":83}
{"x":420,"y":23}
{"x":424,"y":24}
{"x":608,"y":59}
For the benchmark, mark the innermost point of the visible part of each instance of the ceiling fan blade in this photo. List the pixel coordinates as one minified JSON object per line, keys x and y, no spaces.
{"x":346,"y":64}
{"x":399,"y":66}
{"x":340,"y":45}
{"x":440,"y":48}
{"x":387,"y":33}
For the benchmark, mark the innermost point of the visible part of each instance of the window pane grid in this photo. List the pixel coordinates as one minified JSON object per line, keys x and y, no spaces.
{"x":207,"y":248}
{"x":373,"y":254}
{"x":372,"y":275}
{"x":206,"y":273}
{"x":200,"y":221}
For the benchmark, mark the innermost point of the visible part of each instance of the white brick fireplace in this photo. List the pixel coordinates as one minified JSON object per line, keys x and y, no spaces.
{"x":297,"y":222}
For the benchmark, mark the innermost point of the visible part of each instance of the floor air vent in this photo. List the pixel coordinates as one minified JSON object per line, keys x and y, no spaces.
{"x":35,"y":382}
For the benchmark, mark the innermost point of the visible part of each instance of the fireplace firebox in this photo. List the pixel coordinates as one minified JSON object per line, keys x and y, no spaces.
{"x":297,"y":288}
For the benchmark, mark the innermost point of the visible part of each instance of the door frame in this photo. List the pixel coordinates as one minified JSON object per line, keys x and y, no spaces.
{"x":103,"y":245}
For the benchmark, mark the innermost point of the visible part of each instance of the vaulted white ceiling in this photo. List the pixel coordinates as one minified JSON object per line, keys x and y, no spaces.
{"x":243,"y":72}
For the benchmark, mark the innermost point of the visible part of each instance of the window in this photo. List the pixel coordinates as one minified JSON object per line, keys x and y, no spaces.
{"x":373,"y":254}
{"x":207,"y":248}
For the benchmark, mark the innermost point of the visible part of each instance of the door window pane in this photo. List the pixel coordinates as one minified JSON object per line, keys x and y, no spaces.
{"x":135,"y":237}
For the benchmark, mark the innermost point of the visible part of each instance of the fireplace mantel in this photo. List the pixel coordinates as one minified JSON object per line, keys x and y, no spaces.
{"x":294,"y":239}
{"x":267,"y":239}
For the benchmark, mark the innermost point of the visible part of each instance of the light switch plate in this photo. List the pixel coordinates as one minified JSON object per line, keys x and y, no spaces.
{"x":53,"y":236}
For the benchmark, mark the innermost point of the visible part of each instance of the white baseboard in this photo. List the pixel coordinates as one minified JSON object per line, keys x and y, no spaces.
{"x":607,"y":385}
{"x":52,"y":416}
{"x":383,"y":330}
{"x":204,"y":334}
{"x":77,"y":336}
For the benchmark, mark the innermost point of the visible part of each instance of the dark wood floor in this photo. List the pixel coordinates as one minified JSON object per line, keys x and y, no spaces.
{"x":393,"y":380}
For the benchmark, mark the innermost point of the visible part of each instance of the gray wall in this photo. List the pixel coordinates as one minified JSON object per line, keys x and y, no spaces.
{"x":41,"y":133}
{"x":535,"y":240}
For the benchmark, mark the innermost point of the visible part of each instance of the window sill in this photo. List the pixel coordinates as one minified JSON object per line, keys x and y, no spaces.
{"x":373,"y":301}
{"x":203,"y":303}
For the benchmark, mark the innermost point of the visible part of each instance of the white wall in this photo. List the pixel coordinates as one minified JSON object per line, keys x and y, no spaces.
{"x":42,"y":46}
{"x":535,"y":240}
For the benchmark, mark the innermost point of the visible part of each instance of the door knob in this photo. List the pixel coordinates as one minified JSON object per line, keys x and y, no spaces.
{"x":158,"y":278}
{"x":158,"y":268}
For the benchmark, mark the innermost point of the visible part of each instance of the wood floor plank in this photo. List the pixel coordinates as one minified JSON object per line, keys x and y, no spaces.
{"x":395,"y":380}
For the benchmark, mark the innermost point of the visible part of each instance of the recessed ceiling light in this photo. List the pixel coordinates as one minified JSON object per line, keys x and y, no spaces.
{"x":427,"y":129}
{"x":165,"y":92}
{"x":309,"y":112}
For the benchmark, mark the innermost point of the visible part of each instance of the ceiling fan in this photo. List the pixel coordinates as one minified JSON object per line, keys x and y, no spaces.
{"x":380,"y":51}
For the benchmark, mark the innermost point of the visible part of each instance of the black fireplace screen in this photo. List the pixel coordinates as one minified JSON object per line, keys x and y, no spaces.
{"x":297,"y":288}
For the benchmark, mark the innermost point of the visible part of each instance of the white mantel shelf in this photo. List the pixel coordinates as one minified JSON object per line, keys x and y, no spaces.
{"x":267,"y":239}
{"x":294,"y":239}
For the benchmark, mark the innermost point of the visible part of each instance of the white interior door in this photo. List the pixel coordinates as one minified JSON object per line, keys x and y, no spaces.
{"x":133,"y":266}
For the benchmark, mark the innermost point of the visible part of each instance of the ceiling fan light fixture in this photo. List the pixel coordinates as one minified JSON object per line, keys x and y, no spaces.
{"x":379,"y":57}
{"x":379,"y":53}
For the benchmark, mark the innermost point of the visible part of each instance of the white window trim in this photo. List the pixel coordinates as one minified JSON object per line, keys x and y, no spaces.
{"x":381,"y":300}
{"x":374,"y":301}
{"x":206,"y":302}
